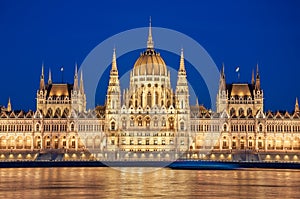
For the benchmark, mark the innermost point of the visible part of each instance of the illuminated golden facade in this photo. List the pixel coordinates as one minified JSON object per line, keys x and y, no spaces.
{"x":149,"y":120}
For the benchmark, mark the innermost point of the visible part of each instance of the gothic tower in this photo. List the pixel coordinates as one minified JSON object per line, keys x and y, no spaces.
{"x":59,"y":99}
{"x":240,"y":99}
{"x":182,"y":103}
{"x":113,"y":105}
{"x":222,"y":96}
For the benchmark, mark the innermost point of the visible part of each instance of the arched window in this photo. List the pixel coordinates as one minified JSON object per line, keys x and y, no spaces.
{"x":72,"y":127}
{"x":58,"y":112}
{"x":112,"y":126}
{"x":241,"y":112}
{"x":148,"y":122}
{"x":124,"y":122}
{"x":140,"y":122}
{"x":141,"y":99}
{"x":260,"y":128}
{"x":49,"y":112}
{"x":37,"y":127}
{"x":155,"y":122}
{"x":225,"y":127}
{"x":132,"y":121}
{"x":156,"y":98}
{"x":182,"y":126}
{"x":232,"y":111}
{"x":168,"y":103}
{"x":163,"y":122}
{"x":249,"y":111}
{"x":149,"y":99}
{"x":171,"y":123}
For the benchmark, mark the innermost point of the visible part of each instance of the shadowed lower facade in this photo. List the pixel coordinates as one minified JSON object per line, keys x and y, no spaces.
{"x":149,"y":120}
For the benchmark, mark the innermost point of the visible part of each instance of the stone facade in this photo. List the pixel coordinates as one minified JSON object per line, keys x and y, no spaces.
{"x":150,"y":119}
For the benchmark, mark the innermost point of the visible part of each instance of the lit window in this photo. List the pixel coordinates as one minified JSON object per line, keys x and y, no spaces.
{"x":113,"y":126}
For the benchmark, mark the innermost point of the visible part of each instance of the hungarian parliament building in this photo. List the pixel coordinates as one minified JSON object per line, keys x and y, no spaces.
{"x":149,"y":120}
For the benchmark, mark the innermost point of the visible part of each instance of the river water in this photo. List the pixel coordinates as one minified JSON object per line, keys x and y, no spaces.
{"x":103,"y":182}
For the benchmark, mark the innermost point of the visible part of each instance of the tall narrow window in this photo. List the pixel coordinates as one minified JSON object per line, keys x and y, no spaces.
{"x":156,"y":98}
{"x":149,"y":99}
{"x":182,"y":126}
{"x":113,"y":126}
{"x":232,"y":112}
{"x":141,"y":99}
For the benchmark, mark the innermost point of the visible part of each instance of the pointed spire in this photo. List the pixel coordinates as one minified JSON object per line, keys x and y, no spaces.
{"x":75,"y":78}
{"x":76,"y":70}
{"x":257,"y":81}
{"x":197,"y":101}
{"x":42,"y":79}
{"x":222,"y":84}
{"x":223,"y":70}
{"x":252,"y":79}
{"x":49,"y":77}
{"x":8,"y":105}
{"x":257,"y":71}
{"x":296,"y":106}
{"x":81,"y":83}
{"x":182,"y":67}
{"x":150,"y":43}
{"x":114,"y":61}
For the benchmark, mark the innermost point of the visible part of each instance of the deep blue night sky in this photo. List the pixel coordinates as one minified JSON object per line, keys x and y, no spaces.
{"x":238,"y":33}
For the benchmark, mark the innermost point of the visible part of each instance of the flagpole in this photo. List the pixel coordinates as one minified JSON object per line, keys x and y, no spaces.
{"x":237,"y":70}
{"x":62,"y":75}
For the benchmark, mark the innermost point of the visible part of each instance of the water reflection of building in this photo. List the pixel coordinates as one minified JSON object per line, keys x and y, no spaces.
{"x":149,"y":119}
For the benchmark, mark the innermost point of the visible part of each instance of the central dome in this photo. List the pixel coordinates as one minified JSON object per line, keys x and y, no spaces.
{"x":150,"y":63}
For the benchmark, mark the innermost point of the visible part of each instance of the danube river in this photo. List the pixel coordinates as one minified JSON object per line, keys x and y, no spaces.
{"x":102,"y":182}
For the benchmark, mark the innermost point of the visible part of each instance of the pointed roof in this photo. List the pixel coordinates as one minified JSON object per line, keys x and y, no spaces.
{"x":9,"y":105}
{"x":269,"y":114}
{"x":257,"y":82}
{"x":182,"y":66}
{"x":257,"y":71}
{"x":81,"y":83}
{"x":222,"y":83}
{"x":296,"y":106}
{"x":42,"y":82}
{"x":75,"y":78}
{"x":223,"y":70}
{"x":49,"y":77}
{"x":252,"y":79}
{"x":114,"y":61}
{"x":150,"y":43}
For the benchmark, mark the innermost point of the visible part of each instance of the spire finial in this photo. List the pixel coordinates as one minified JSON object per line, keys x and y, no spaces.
{"x":223,"y":69}
{"x":257,"y":71}
{"x":43,"y":69}
{"x":76,"y":70}
{"x":8,"y":105}
{"x":81,"y":83}
{"x":49,"y":77}
{"x":42,"y":79}
{"x":114,"y":61}
{"x":76,"y":77}
{"x":150,"y":43}
{"x":257,"y":81}
{"x":181,"y":67}
{"x":297,"y":106}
